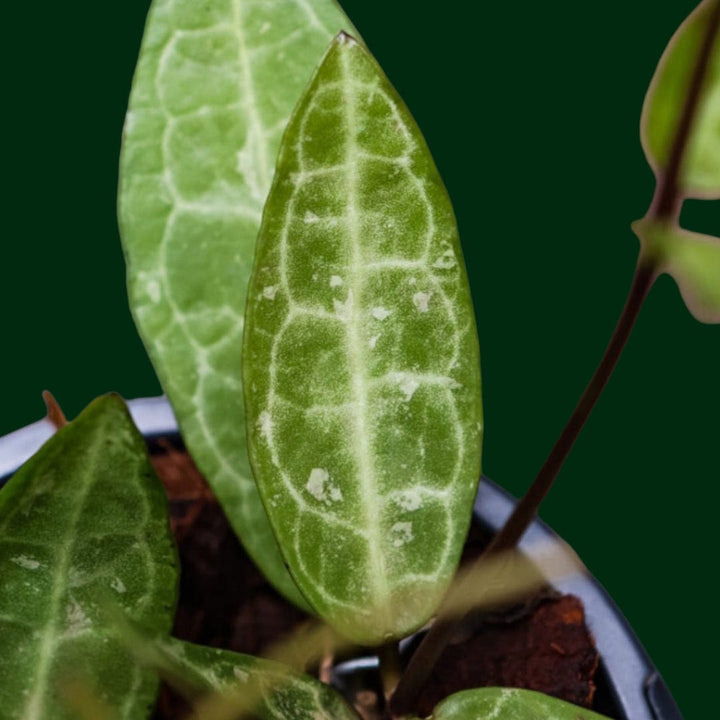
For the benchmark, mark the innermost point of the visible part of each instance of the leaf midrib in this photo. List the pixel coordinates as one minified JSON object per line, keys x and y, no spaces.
{"x":369,"y":491}
{"x":35,"y":703}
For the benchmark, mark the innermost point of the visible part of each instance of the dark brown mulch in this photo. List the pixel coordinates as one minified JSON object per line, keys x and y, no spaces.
{"x":548,"y":648}
{"x":225,"y":602}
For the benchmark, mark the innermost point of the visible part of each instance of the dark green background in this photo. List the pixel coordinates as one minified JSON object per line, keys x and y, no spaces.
{"x":531,"y":111}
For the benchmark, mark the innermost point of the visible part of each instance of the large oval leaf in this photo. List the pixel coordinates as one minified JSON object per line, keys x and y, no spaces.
{"x":219,"y":680}
{"x":361,"y":361}
{"x":666,"y":100}
{"x":82,"y":521}
{"x":215,"y":84}
{"x":509,"y":704}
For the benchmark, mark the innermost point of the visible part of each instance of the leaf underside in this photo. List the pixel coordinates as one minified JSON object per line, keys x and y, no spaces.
{"x":666,"y":99}
{"x":509,"y":704}
{"x":82,"y":521}
{"x":361,"y":364}
{"x":215,"y":84}
{"x":691,"y":259}
{"x":220,"y":679}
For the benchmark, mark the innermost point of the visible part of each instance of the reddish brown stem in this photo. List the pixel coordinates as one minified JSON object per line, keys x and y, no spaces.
{"x":666,"y":205}
{"x":423,"y":661}
{"x":668,"y":196}
{"x":527,"y":507}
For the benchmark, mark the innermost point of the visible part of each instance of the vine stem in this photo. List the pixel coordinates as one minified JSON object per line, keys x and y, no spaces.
{"x":424,"y":659}
{"x":668,"y":196}
{"x":665,"y":206}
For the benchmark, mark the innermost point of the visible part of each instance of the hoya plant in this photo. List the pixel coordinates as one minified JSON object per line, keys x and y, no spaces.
{"x":295,"y":271}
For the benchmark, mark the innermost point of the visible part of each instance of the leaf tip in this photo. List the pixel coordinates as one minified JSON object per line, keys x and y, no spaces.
{"x":345,"y":38}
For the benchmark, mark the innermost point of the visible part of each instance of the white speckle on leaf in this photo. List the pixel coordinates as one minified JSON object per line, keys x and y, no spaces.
{"x":118,"y":586}
{"x":320,"y":487}
{"x":25,"y":561}
{"x":421,"y":301}
{"x":311,"y":218}
{"x":264,"y":423}
{"x":402,"y":533}
{"x":343,"y":309}
{"x":264,"y":27}
{"x":240,"y":674}
{"x":315,"y":277}
{"x":410,"y":500}
{"x":409,"y":386}
{"x":335,"y":281}
{"x":153,"y":290}
{"x":316,"y":483}
{"x":269,"y":292}
{"x":76,"y":619}
{"x":380,"y":313}
{"x":413,"y":281}
{"x":372,"y":342}
{"x":446,"y":261}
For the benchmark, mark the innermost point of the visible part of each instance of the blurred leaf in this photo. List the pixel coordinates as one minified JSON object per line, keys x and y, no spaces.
{"x":215,"y":84}
{"x":509,"y":704}
{"x":221,"y":683}
{"x":361,"y":363}
{"x":665,"y":102}
{"x":509,"y":576}
{"x":84,"y":519}
{"x":692,"y":259}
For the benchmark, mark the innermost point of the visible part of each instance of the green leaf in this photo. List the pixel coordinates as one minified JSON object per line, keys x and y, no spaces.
{"x":361,"y":363}
{"x":665,"y":102}
{"x":222,"y":679}
{"x":83,"y":520}
{"x":692,"y":259}
{"x":509,"y":704}
{"x":215,"y":84}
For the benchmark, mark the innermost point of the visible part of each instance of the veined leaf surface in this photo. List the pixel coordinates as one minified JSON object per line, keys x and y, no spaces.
{"x":692,"y":259}
{"x":83,"y":520}
{"x":666,"y":99}
{"x":221,"y":679}
{"x":215,"y":84}
{"x":509,"y":704}
{"x":361,"y":365}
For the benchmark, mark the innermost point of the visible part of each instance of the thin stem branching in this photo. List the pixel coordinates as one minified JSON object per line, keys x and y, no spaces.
{"x":665,"y":206}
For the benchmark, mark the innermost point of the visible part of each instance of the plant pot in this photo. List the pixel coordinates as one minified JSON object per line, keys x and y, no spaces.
{"x":628,"y":685}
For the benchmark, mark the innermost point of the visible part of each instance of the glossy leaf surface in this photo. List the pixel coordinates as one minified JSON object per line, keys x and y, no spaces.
{"x":215,"y":84}
{"x":83,"y":520}
{"x":692,"y":259}
{"x":361,"y":360}
{"x":509,"y":704}
{"x":666,"y":99}
{"x":220,"y":679}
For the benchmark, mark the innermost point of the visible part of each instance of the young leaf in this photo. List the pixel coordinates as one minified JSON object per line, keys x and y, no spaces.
{"x":221,"y":682}
{"x":692,"y":259}
{"x":214,"y":86}
{"x":83,"y":520}
{"x":509,"y":704}
{"x":361,"y":364}
{"x":666,"y":99}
